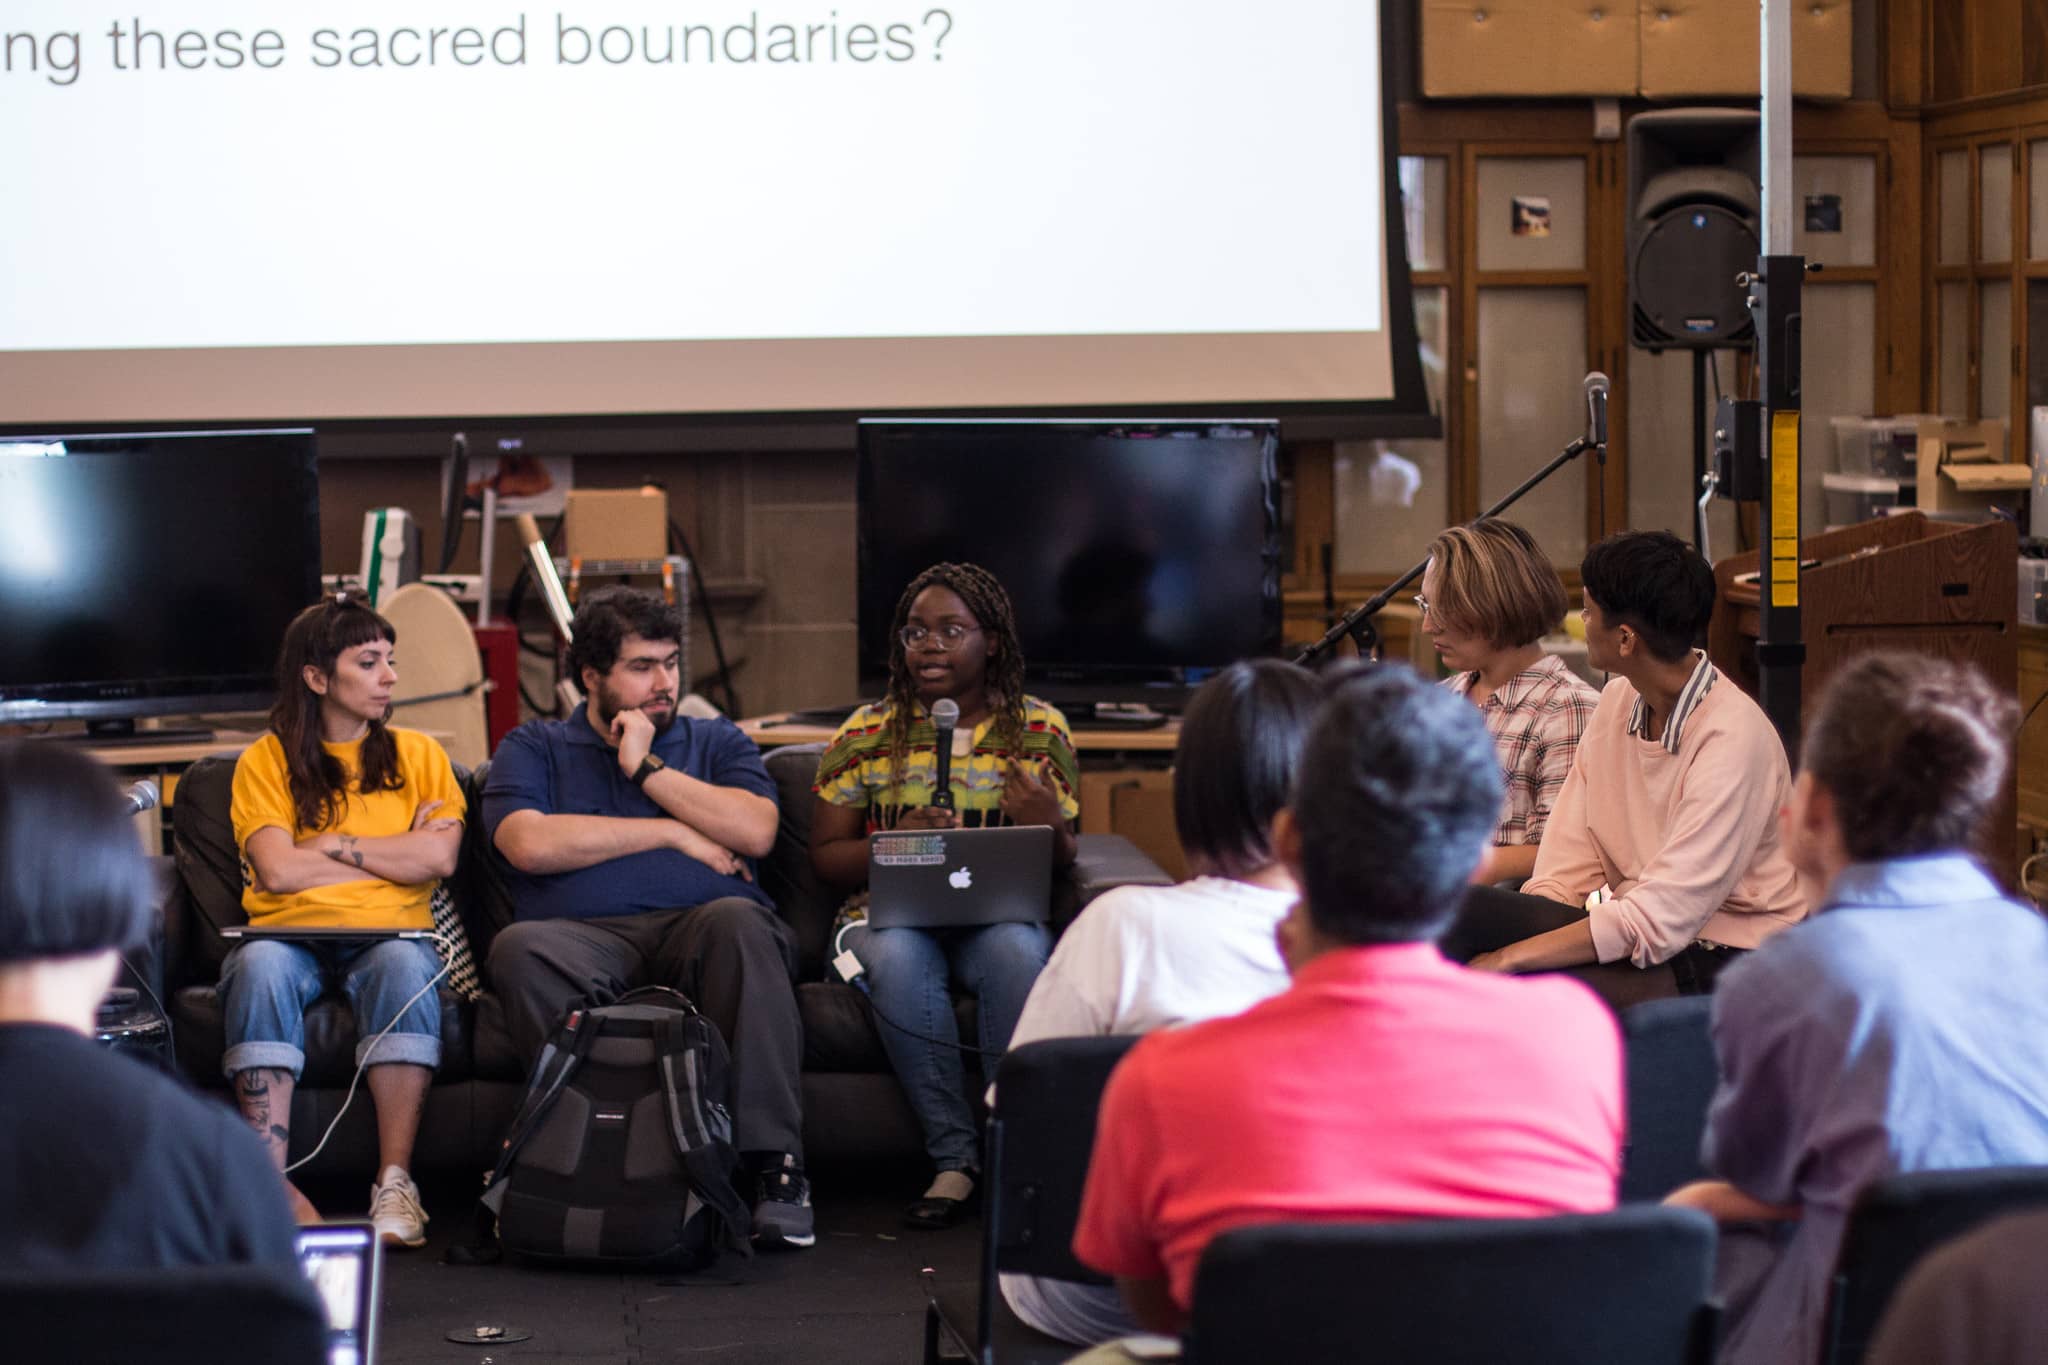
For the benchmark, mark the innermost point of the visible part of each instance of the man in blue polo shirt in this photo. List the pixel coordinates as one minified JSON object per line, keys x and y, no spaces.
{"x":628,"y":834}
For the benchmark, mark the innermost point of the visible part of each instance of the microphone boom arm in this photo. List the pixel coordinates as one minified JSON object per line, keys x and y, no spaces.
{"x":1357,"y":623}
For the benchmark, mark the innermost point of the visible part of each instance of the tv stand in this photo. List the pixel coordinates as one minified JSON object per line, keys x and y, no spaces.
{"x":125,"y":734}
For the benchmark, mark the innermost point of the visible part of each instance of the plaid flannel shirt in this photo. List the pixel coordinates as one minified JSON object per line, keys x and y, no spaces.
{"x":1536,"y":719}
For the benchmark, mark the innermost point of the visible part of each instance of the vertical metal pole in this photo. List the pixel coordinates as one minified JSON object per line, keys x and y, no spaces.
{"x":1774,"y":301}
{"x":1699,"y":449}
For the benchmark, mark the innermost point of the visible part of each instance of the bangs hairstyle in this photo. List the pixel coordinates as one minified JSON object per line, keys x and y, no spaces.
{"x":72,"y":876}
{"x":1913,"y":750}
{"x":606,"y":617}
{"x":317,"y":638}
{"x":1494,"y":582}
{"x":1240,"y":743}
{"x":1397,"y":797}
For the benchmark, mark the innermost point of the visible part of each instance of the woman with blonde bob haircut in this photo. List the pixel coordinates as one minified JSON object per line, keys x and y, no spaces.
{"x":1488,"y":598}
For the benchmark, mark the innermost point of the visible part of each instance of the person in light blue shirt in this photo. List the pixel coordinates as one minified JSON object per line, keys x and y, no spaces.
{"x":1898,"y":1029}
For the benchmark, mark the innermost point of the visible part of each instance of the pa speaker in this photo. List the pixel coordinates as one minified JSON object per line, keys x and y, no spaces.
{"x":1695,"y":200}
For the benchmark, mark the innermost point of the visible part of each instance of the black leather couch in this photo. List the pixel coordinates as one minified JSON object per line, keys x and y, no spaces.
{"x":853,"y":1107}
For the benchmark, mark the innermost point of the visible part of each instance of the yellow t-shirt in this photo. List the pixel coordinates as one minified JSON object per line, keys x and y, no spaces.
{"x":262,"y":796}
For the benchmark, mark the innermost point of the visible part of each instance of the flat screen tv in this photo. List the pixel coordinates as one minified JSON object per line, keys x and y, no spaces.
{"x":1140,"y":555}
{"x":151,"y":573}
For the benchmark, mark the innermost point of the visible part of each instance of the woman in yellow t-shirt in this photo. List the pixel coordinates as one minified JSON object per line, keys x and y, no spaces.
{"x":342,"y":822}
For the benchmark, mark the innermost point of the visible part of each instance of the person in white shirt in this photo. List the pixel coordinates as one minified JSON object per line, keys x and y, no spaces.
{"x":1149,"y":957}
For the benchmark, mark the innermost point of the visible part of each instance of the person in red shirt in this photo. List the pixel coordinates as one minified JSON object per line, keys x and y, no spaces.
{"x":1386,"y":1082}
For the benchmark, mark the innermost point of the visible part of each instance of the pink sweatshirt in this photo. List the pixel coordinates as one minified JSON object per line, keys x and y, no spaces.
{"x":1687,"y":842}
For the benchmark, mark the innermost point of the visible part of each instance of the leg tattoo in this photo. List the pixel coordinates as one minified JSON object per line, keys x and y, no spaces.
{"x":264,"y":1094}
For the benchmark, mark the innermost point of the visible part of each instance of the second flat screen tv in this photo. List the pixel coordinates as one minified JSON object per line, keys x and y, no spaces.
{"x":1140,"y":556}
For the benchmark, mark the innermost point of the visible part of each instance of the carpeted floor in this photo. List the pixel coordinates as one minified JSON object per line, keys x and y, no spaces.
{"x":856,"y":1297}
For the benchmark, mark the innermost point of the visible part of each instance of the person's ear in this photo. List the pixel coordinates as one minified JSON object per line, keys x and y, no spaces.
{"x":315,"y":680}
{"x":590,"y":678}
{"x":1286,"y":842}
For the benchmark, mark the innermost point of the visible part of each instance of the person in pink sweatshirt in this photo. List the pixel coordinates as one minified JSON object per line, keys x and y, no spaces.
{"x":1661,"y":861}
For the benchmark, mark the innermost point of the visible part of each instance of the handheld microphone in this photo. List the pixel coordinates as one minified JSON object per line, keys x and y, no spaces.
{"x":139,"y":797}
{"x":1596,"y":409}
{"x":945,"y":715}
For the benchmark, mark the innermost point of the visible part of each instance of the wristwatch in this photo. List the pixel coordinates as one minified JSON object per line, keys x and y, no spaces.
{"x":649,"y":766}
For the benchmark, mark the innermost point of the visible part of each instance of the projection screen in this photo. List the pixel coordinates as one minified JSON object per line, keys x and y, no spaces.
{"x":380,"y":209}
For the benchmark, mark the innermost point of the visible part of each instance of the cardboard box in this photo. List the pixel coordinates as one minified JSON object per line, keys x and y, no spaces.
{"x":616,"y":523}
{"x":1963,"y":468}
{"x":1529,"y":47}
{"x":1714,"y":47}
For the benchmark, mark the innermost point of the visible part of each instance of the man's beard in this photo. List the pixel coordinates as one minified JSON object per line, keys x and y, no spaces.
{"x":607,"y":703}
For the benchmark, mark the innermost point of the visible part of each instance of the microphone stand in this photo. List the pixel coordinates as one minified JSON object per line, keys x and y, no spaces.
{"x":1357,"y":624}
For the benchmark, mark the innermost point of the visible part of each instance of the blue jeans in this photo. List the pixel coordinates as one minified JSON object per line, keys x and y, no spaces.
{"x":910,"y":972}
{"x":265,"y":987}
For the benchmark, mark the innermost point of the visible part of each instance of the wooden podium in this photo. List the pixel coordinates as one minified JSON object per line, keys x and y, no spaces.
{"x":1902,"y":582}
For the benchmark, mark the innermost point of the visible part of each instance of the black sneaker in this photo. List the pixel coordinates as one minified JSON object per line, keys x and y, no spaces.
{"x":782,"y":1212}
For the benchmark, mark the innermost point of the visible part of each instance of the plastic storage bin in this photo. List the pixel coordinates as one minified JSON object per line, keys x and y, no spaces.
{"x":1883,"y":447}
{"x":1860,"y":497}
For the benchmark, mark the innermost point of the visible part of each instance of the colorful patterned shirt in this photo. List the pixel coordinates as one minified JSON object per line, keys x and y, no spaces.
{"x":1536,"y":719}
{"x":855,"y":769}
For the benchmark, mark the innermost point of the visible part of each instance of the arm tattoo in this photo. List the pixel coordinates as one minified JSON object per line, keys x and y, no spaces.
{"x":349,"y":852}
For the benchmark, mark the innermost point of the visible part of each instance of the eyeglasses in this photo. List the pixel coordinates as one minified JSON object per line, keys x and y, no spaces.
{"x":1421,"y":603}
{"x":947,"y":637}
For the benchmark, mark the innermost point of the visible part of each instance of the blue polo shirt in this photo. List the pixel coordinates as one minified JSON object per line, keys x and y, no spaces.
{"x":562,"y":767}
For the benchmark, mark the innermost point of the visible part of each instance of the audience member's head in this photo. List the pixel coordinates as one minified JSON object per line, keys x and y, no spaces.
{"x":1910,"y":752}
{"x":1240,"y":742}
{"x":1396,"y":799}
{"x":1489,"y":583}
{"x":73,"y":881}
{"x":1646,"y":587}
{"x":605,"y":618}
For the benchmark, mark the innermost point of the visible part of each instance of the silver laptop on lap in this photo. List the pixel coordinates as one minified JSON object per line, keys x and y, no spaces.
{"x":957,"y":878}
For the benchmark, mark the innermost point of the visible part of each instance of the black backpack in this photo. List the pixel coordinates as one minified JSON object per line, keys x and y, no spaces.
{"x":622,"y":1152}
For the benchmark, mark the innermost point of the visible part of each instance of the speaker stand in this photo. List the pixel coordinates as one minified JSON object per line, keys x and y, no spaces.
{"x":1699,"y":449}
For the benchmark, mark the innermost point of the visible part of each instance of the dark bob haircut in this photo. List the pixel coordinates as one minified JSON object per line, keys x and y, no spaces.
{"x":1240,"y":743}
{"x":606,"y":617}
{"x":1397,"y":798}
{"x":72,"y":876}
{"x":1654,"y":583}
{"x":1914,"y":750}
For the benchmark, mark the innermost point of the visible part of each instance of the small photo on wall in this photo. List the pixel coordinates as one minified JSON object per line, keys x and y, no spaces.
{"x":1823,"y":213}
{"x":1531,"y":215}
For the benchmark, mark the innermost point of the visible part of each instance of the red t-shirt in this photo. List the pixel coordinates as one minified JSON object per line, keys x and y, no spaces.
{"x":1385,"y":1083}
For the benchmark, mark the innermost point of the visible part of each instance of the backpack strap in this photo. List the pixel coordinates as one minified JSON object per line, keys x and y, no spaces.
{"x":551,"y":1072}
{"x":706,"y":1151}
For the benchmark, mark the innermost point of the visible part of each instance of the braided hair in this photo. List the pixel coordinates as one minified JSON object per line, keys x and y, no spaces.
{"x":1003,"y":675}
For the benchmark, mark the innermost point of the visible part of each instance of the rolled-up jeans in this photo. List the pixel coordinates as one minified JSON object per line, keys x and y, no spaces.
{"x":266,"y":985}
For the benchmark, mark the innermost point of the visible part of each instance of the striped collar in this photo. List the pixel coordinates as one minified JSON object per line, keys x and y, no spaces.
{"x":1689,"y":697}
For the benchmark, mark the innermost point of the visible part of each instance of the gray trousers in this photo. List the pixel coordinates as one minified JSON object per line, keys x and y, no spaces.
{"x":733,"y":958}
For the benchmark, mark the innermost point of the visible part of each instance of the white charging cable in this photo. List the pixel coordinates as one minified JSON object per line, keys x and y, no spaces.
{"x":370,"y":1049}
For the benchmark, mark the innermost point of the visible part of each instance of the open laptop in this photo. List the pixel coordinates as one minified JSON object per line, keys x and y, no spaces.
{"x":954,"y":878}
{"x":345,"y":1263}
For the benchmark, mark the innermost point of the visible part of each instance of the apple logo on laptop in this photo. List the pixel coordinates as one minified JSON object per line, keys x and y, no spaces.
{"x":960,"y":880}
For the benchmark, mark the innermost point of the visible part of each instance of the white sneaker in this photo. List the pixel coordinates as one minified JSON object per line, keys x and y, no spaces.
{"x":395,"y":1210}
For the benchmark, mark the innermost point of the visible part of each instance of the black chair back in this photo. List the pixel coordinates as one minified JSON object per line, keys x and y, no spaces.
{"x":1671,"y":1079}
{"x":1632,"y":1285}
{"x":1041,"y":1135}
{"x":179,"y":1315}
{"x":1895,"y":1223}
